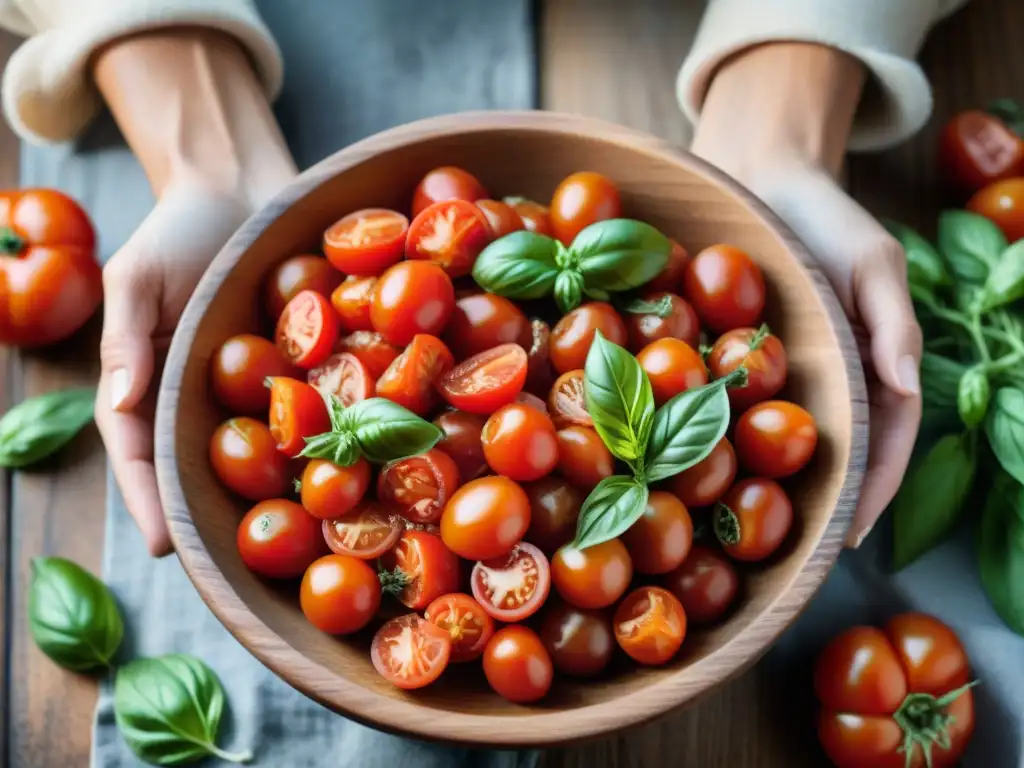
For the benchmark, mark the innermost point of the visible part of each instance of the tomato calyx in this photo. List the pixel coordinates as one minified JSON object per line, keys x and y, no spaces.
{"x":737,"y":378}
{"x":297,"y":484}
{"x":660,"y":307}
{"x":726,"y":525}
{"x":394,"y":581}
{"x":11,"y":242}
{"x":925,"y":721}
{"x":758,"y":338}
{"x":705,"y":350}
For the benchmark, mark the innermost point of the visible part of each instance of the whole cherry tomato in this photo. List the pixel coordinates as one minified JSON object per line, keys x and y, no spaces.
{"x":661,"y":538}
{"x":554,"y":508}
{"x":501,"y":217}
{"x":580,"y":200}
{"x":775,"y":438}
{"x":307,"y":329}
{"x":535,"y":217}
{"x":462,"y":443}
{"x":446,"y":183}
{"x":366,"y":242}
{"x":513,"y":587}
{"x":466,"y":622}
{"x":580,"y":641}
{"x":485,"y":518}
{"x":409,"y":380}
{"x":371,"y":348}
{"x":329,"y":490}
{"x":486,"y":381}
{"x":704,"y":483}
{"x":574,"y":333}
{"x":367,"y":531}
{"x":753,"y":519}
{"x":421,"y":569}
{"x":725,"y":287}
{"x":50,"y":281}
{"x":706,"y":584}
{"x":485,"y":320}
{"x":239,"y":370}
{"x":757,"y":350}
{"x":450,"y":234}
{"x":297,"y":411}
{"x":672,"y":366}
{"x":1002,"y":202}
{"x":343,"y":375}
{"x":520,"y":443}
{"x":410,"y":652}
{"x":339,"y":594}
{"x":412,"y":297}
{"x":539,"y":373}
{"x":305,"y":272}
{"x":277,"y":539}
{"x":659,"y":315}
{"x":583,"y":458}
{"x":567,"y":404}
{"x":671,"y":277}
{"x":594,"y":577}
{"x":419,"y":486}
{"x":244,"y":456}
{"x":351,"y":300}
{"x":977,"y":148}
{"x":517,"y":665}
{"x":650,"y":625}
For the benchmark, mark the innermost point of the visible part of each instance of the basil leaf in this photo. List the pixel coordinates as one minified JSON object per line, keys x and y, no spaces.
{"x":72,"y":615}
{"x":40,"y":426}
{"x":925,"y":267}
{"x":660,"y":307}
{"x":971,"y":244}
{"x":1005,"y":430}
{"x":520,"y":265}
{"x":385,"y":431}
{"x":568,"y":290}
{"x":972,"y":397}
{"x":686,"y":429}
{"x":1000,"y":548}
{"x":1005,"y":283}
{"x":940,"y":380}
{"x":169,"y":709}
{"x":619,"y":399}
{"x":929,"y":502}
{"x":619,"y":254}
{"x":611,"y":508}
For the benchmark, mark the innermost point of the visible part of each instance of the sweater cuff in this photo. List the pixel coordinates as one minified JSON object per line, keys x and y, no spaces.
{"x":48,"y":92}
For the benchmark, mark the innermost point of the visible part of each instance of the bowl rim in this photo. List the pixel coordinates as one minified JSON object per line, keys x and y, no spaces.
{"x":538,"y":727}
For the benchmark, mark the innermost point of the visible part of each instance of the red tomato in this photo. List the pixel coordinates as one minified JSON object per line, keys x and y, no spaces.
{"x":706,"y":584}
{"x":419,"y":486}
{"x":297,"y":411}
{"x":574,"y":333}
{"x":554,"y":508}
{"x":580,"y":200}
{"x":501,"y":217}
{"x":775,"y":438}
{"x":446,"y":183}
{"x":466,"y":622}
{"x":486,"y":381}
{"x":535,"y":217}
{"x":351,"y":300}
{"x":367,"y":531}
{"x":239,"y":370}
{"x":245,"y":458}
{"x":344,"y":376}
{"x":339,"y":594}
{"x":880,"y":693}
{"x":330,"y":491}
{"x":520,"y":443}
{"x":676,"y":320}
{"x":371,"y":348}
{"x":757,"y":350}
{"x":594,"y":577}
{"x":650,"y":625}
{"x":462,"y":442}
{"x":513,"y":587}
{"x":304,"y":272}
{"x":366,"y":242}
{"x":517,"y":665}
{"x":50,"y":282}
{"x":411,"y":298}
{"x":583,"y":458}
{"x":673,"y":366}
{"x":660,"y":540}
{"x":704,"y":483}
{"x":450,"y":234}
{"x":307,"y":329}
{"x":726,"y":288}
{"x":485,"y":518}
{"x":485,"y":320}
{"x":580,"y":641}
{"x":409,"y":380}
{"x":428,"y":569}
{"x":277,"y":539}
{"x":671,"y":277}
{"x":530,"y":399}
{"x":753,"y":519}
{"x":567,"y":403}
{"x":410,"y":652}
{"x":1002,"y":202}
{"x":977,"y":148}
{"x":539,"y":373}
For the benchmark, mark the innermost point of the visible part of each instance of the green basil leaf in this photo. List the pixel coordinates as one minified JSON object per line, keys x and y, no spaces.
{"x":1005,"y":430}
{"x":72,"y":615}
{"x":619,"y":399}
{"x":1010,"y":113}
{"x":925,"y":267}
{"x":1005,"y":283}
{"x":40,"y":426}
{"x":940,"y":380}
{"x":568,"y":290}
{"x":660,"y":307}
{"x":972,"y":397}
{"x":686,"y":429}
{"x":611,"y":508}
{"x":619,"y":254}
{"x":169,"y":709}
{"x":929,"y":502}
{"x":971,"y":244}
{"x":385,"y":431}
{"x":520,"y":265}
{"x":1000,"y":548}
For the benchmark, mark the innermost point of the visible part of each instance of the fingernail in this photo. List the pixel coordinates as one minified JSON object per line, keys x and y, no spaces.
{"x":119,"y":384}
{"x":906,"y":373}
{"x":855,"y":538}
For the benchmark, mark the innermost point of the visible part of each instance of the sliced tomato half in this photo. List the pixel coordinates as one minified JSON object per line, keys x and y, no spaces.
{"x":366,"y":242}
{"x":370,"y":347}
{"x":487,"y":381}
{"x":366,"y":532}
{"x":650,"y":625}
{"x":451,"y":234}
{"x":344,"y":376}
{"x":297,"y":411}
{"x":307,"y":329}
{"x":410,"y":652}
{"x":567,"y":404}
{"x":429,"y":568}
{"x":409,"y":380}
{"x":513,"y":587}
{"x":465,"y":621}
{"x":419,"y":486}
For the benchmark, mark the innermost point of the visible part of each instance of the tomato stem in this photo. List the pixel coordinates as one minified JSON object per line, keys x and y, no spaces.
{"x":737,"y":378}
{"x":759,"y":336}
{"x":11,"y":242}
{"x":726,"y":525}
{"x":925,"y":721}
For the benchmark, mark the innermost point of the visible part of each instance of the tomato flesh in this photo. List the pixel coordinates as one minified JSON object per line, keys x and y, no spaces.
{"x":430,"y":568}
{"x":297,"y":411}
{"x":650,"y":625}
{"x":486,"y":381}
{"x":450,"y":234}
{"x":514,"y":587}
{"x":419,"y":486}
{"x":410,"y":652}
{"x":409,"y":380}
{"x":351,"y":300}
{"x":307,"y":329}
{"x":277,"y":539}
{"x":367,"y":531}
{"x":372,"y":350}
{"x":344,"y":376}
{"x":567,"y":403}
{"x":468,"y":625}
{"x":366,"y":242}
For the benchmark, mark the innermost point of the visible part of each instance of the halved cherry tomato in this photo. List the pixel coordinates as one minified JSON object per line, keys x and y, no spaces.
{"x":513,"y":587}
{"x":520,"y":443}
{"x":297,"y":411}
{"x":328,"y":490}
{"x":485,"y":518}
{"x":277,"y":539}
{"x":660,"y":540}
{"x":486,"y":381}
{"x":680,"y":321}
{"x":725,"y":287}
{"x":239,"y":370}
{"x":351,"y":300}
{"x":411,"y":298}
{"x":501,"y":217}
{"x":450,"y":234}
{"x":775,"y":438}
{"x":344,"y":376}
{"x":517,"y":665}
{"x":446,"y":183}
{"x":485,"y":320}
{"x":978,"y":148}
{"x":650,"y":625}
{"x":1002,"y":202}
{"x":367,"y":531}
{"x":429,"y":568}
{"x":466,"y":622}
{"x":567,"y":404}
{"x":706,"y":584}
{"x":244,"y":456}
{"x":410,"y":652}
{"x":673,"y":366}
{"x":339,"y":594}
{"x":757,"y":350}
{"x":580,"y":641}
{"x":753,"y":519}
{"x":554,"y":508}
{"x":535,"y":217}
{"x":419,"y":486}
{"x":580,"y":200}
{"x":574,"y":333}
{"x":371,"y":348}
{"x":462,"y":442}
{"x":594,"y":577}
{"x":671,"y":277}
{"x":307,"y":329}
{"x":539,"y":373}
{"x":366,"y":242}
{"x":704,"y":483}
{"x":583,"y":458}
{"x":305,"y":272}
{"x":409,"y":380}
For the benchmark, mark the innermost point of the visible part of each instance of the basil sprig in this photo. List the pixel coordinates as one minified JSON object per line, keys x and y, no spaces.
{"x":42,"y":425}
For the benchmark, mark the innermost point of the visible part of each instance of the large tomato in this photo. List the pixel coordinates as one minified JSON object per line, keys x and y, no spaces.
{"x":244,"y":455}
{"x":411,"y":298}
{"x":329,"y":490}
{"x":339,"y":594}
{"x":277,"y":539}
{"x":50,"y":282}
{"x":419,"y":486}
{"x":580,"y":200}
{"x":421,"y":569}
{"x":486,"y":518}
{"x":446,"y":183}
{"x":726,"y":288}
{"x":660,"y":540}
{"x":304,"y":272}
{"x":484,"y":320}
{"x":574,"y":333}
{"x":450,"y":234}
{"x":239,"y":370}
{"x":1002,"y":202}
{"x":775,"y":438}
{"x":760,"y":353}
{"x":409,"y":380}
{"x":366,"y":242}
{"x":673,"y":366}
{"x":978,"y":148}
{"x":594,"y":577}
{"x":519,"y":442}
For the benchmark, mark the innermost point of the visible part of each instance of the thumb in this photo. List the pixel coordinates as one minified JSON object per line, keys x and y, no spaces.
{"x":129,"y":319}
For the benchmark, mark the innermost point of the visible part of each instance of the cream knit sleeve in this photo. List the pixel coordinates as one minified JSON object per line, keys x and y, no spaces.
{"x":48,"y":94}
{"x":884,"y":34}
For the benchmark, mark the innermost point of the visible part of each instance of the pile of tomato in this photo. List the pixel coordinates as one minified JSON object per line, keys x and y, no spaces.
{"x":472,"y":534}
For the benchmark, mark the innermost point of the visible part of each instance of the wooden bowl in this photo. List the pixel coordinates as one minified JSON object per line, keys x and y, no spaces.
{"x":512,"y":153}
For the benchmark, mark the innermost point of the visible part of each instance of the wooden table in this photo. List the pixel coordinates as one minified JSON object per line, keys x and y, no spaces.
{"x":605,"y":58}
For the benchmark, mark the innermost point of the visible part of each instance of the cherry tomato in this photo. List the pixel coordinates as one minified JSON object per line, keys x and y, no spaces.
{"x":706,"y":584}
{"x":462,"y":442}
{"x":344,"y":376}
{"x":594,"y":577}
{"x":673,"y":366}
{"x":513,"y":587}
{"x":450,"y":234}
{"x":704,"y":483}
{"x":580,"y":641}
{"x":486,"y":381}
{"x":671,"y":277}
{"x":650,"y":625}
{"x":239,"y":370}
{"x":409,"y":380}
{"x":1002,"y":202}
{"x":277,"y":539}
{"x":371,"y":348}
{"x":574,"y":333}
{"x":661,"y":538}
{"x":501,"y":217}
{"x":583,"y":458}
{"x":307,"y":329}
{"x":535,"y":217}
{"x":297,"y":411}
{"x":530,"y":399}
{"x":339,"y":594}
{"x":775,"y":438}
{"x":753,"y":519}
{"x":411,"y":298}
{"x":567,"y":403}
{"x":670,"y":317}
{"x":50,"y":281}
{"x":305,"y":272}
{"x":410,"y":652}
{"x":554,"y":508}
{"x":367,"y":531}
{"x":517,"y":665}
{"x":419,"y":486}
{"x":245,"y":458}
{"x":428,"y":568}
{"x":539,"y":373}
{"x":466,"y":622}
{"x":351,"y":300}
{"x":757,"y":350}
{"x":485,"y":320}
{"x":725,"y":287}
{"x":977,"y":148}
{"x":366,"y":242}
{"x":580,"y":200}
{"x":520,"y":443}
{"x":330,"y":491}
{"x":485,"y":518}
{"x":446,"y":183}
